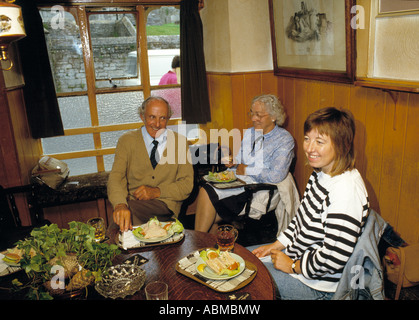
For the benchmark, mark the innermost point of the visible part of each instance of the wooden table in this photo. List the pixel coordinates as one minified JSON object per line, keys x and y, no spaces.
{"x":162,"y":263}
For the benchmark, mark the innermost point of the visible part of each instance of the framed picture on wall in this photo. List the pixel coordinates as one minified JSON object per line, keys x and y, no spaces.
{"x":313,"y":39}
{"x":398,"y":7}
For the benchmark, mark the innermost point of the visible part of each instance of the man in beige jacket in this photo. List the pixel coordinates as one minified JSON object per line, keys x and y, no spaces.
{"x":139,"y":190}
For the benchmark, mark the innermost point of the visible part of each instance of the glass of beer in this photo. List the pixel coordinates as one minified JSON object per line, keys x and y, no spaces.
{"x":99,"y":225}
{"x":226,"y":237}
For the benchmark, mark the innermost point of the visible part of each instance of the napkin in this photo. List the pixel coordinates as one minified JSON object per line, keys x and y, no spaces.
{"x":266,"y":258}
{"x":128,"y":240}
{"x":3,"y":265}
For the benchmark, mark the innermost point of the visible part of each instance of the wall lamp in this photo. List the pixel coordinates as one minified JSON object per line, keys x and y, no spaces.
{"x":11,"y":28}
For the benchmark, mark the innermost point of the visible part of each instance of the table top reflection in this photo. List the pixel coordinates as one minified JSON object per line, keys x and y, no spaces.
{"x":162,"y":261}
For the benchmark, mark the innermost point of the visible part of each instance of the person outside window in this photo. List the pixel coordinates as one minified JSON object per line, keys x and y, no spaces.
{"x":171,"y":77}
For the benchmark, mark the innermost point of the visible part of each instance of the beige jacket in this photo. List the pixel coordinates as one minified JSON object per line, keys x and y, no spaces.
{"x":132,"y":168}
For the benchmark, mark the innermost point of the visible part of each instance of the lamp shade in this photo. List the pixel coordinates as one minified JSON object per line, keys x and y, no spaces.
{"x":11,"y":23}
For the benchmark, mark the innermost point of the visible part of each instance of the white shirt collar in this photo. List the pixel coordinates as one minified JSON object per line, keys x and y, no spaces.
{"x":148,"y":140}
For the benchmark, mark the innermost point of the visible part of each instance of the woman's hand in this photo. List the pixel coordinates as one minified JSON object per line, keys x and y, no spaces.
{"x":265,"y":250}
{"x":228,"y":161}
{"x":281,"y":261}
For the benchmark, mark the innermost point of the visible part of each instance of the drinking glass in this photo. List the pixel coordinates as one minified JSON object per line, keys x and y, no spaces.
{"x":99,"y":225}
{"x":156,"y":290}
{"x":226,"y":237}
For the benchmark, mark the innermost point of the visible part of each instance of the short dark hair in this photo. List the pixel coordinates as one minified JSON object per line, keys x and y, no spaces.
{"x":176,"y":62}
{"x":339,"y":125}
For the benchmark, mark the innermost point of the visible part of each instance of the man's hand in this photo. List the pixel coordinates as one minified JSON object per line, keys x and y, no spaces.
{"x":122,"y":217}
{"x":146,"y":193}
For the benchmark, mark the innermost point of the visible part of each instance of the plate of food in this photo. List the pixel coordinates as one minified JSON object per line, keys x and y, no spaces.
{"x":10,"y":261}
{"x":221,"y":177}
{"x":156,"y":231}
{"x":12,"y":257}
{"x":219,"y":265}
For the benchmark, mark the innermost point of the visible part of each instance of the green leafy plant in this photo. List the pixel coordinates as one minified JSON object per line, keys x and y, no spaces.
{"x":50,"y":245}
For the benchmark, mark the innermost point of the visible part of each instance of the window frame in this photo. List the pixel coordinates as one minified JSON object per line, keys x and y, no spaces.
{"x":81,"y":14}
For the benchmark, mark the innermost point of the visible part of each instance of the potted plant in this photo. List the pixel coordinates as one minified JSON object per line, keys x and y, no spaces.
{"x":60,"y":261}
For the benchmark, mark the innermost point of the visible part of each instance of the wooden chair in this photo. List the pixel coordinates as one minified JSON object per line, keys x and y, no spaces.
{"x":11,"y":229}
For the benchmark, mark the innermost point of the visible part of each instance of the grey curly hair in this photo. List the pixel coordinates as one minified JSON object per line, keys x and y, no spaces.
{"x":141,"y":109}
{"x":273,"y":106}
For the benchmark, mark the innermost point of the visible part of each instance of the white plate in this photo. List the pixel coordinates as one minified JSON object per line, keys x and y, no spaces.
{"x":212,"y":179}
{"x":153,"y":240}
{"x":210,"y":274}
{"x":6,"y":268}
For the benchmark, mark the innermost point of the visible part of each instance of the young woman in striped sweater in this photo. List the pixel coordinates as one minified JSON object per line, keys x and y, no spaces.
{"x":308,"y":258}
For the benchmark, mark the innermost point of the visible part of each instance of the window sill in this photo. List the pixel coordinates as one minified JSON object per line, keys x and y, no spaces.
{"x":88,"y":187}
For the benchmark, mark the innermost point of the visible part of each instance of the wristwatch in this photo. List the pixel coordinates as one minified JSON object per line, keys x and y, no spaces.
{"x":293,"y":265}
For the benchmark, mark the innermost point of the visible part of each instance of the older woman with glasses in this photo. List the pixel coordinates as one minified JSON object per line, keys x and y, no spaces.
{"x":265,"y":156}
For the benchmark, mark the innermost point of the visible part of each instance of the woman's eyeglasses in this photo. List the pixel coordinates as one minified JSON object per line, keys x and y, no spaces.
{"x":257,"y":115}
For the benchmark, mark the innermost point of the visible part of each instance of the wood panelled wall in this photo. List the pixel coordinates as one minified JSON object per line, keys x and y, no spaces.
{"x":83,"y":211}
{"x":386,"y":133}
{"x":18,"y":151}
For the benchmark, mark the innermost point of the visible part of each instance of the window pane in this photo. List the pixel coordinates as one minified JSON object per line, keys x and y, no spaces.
{"x":160,"y":63}
{"x":110,"y":139}
{"x":113,"y":38}
{"x":75,"y":112}
{"x":64,"y":50}
{"x":117,"y":108}
{"x":80,"y":166}
{"x":163,"y":40}
{"x":64,"y":144}
{"x":114,"y":44}
{"x":108,"y":160}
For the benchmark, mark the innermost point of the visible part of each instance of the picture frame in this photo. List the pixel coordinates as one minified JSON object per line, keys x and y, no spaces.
{"x":313,"y":39}
{"x":401,"y":7}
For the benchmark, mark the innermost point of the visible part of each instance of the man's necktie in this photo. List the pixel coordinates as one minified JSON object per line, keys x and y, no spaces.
{"x":153,"y":154}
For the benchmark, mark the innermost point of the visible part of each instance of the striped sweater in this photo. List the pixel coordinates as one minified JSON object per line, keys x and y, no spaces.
{"x":326,"y":227}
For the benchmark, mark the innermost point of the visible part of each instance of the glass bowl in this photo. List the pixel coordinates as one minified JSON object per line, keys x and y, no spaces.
{"x":121,"y":280}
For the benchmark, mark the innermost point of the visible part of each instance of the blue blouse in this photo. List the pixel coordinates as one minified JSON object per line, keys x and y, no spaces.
{"x":268,"y":158}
